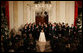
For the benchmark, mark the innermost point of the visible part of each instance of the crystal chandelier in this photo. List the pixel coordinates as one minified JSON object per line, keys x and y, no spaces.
{"x":42,"y":6}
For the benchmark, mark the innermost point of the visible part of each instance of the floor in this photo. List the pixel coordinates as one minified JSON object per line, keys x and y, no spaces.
{"x":43,"y":47}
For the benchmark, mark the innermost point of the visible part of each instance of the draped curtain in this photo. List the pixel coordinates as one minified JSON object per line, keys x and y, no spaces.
{"x":76,"y":13}
{"x":6,"y":7}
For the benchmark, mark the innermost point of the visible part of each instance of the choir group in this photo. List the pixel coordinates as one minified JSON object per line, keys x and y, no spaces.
{"x":62,"y":38}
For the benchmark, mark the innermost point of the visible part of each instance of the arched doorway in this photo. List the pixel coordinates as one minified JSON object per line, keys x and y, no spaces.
{"x":41,"y":17}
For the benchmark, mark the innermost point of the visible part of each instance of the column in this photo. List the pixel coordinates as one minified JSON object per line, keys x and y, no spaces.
{"x":15,"y":14}
{"x":70,"y":12}
{"x":62,"y":11}
{"x":57,"y":11}
{"x":20,"y":13}
{"x":11,"y":14}
{"x":25,"y":12}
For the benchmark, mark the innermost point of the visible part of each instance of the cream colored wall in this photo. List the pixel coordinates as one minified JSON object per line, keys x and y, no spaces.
{"x":65,"y":12}
{"x":11,"y":13}
{"x":25,"y":11}
{"x":15,"y":14}
{"x":52,"y":12}
{"x":69,"y":15}
{"x":62,"y":11}
{"x":57,"y":11}
{"x":21,"y":13}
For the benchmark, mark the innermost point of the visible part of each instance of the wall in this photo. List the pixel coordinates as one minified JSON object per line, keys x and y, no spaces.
{"x":20,"y":12}
{"x":11,"y":14}
{"x":16,"y":14}
{"x":69,"y":12}
{"x":65,"y":12}
{"x":52,"y":12}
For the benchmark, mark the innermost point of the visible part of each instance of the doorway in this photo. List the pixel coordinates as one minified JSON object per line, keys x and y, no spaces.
{"x":41,"y":17}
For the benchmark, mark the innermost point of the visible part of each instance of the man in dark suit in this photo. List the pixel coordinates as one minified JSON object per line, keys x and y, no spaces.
{"x":31,"y":43}
{"x":59,"y":30}
{"x":63,"y":29}
{"x":46,"y":31}
{"x":53,"y":30}
{"x":66,"y":30}
{"x":50,"y":32}
{"x":72,"y":31}
{"x":76,"y":31}
{"x":25,"y":30}
{"x":37,"y":32}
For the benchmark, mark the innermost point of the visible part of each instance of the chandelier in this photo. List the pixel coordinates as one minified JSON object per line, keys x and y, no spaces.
{"x":46,"y":2}
{"x":42,"y":5}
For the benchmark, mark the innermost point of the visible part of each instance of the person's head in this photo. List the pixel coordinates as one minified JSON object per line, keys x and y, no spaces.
{"x":25,"y":26}
{"x":11,"y":50}
{"x":42,"y":30}
{"x":66,"y":24}
{"x":41,"y":12}
{"x":19,"y":32}
{"x":25,"y":35}
{"x":1,"y":37}
{"x":72,"y":25}
{"x":13,"y":31}
{"x":63,"y":23}
{"x":27,"y":23}
{"x":75,"y":26}
{"x":50,"y":25}
{"x":42,"y":25}
{"x":55,"y":23}
{"x":39,"y":23}
{"x":33,"y":25}
{"x":59,"y":24}
{"x":37,"y":13}
{"x":45,"y":13}
{"x":29,"y":26}
{"x":45,"y":25}
{"x":30,"y":35}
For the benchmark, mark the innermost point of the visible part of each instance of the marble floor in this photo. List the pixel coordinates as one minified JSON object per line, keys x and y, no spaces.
{"x":43,"y":47}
